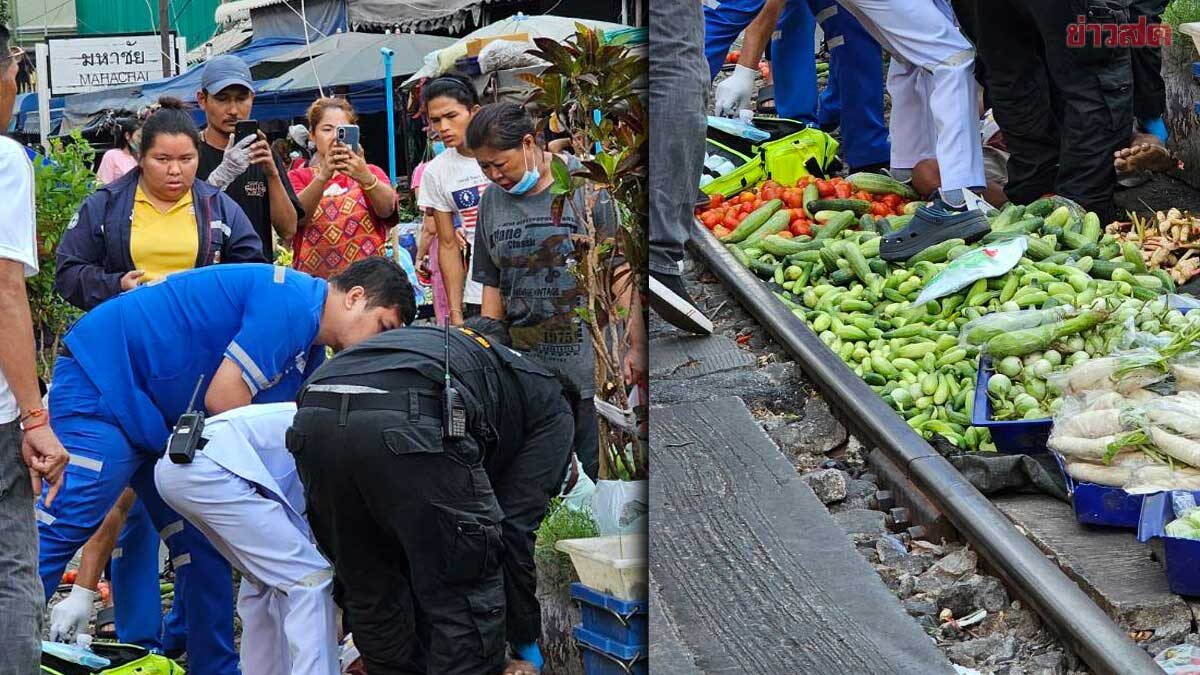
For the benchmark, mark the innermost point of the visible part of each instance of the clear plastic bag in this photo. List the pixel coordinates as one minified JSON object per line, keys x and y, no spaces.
{"x":978,"y":331}
{"x":1122,"y":372}
{"x":988,"y":261}
{"x":1181,"y":659}
{"x":1186,"y":370}
{"x":621,"y":507}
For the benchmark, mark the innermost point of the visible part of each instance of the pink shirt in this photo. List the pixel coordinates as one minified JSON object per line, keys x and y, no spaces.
{"x":114,"y":164}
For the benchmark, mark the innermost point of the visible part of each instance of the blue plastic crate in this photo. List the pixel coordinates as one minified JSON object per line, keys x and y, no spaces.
{"x":610,"y":617}
{"x":1102,"y":504}
{"x":1014,"y":437}
{"x":602,"y":656}
{"x":1181,"y":557}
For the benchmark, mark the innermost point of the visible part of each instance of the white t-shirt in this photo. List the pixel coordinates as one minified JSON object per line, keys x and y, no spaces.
{"x":454,"y":184}
{"x":18,"y":233}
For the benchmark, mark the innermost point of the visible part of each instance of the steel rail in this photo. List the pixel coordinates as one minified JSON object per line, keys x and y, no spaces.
{"x":1069,"y":612}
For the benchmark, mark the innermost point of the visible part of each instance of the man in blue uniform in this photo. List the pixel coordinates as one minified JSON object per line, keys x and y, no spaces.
{"x":853,"y":98}
{"x":245,"y":333}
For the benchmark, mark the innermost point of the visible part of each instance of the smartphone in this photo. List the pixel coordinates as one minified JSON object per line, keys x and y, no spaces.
{"x":244,"y":128}
{"x":347,"y":134}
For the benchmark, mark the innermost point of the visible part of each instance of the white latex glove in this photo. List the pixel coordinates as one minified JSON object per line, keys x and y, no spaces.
{"x":235,"y":163}
{"x":72,"y":615}
{"x":733,"y":93}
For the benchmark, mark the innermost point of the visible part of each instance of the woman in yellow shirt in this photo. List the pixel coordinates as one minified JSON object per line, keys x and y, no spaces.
{"x":154,"y":220}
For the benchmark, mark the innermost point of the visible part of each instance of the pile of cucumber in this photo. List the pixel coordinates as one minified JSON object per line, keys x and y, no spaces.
{"x":914,"y":357}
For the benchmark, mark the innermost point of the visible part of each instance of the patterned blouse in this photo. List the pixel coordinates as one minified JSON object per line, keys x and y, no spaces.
{"x":343,"y":228}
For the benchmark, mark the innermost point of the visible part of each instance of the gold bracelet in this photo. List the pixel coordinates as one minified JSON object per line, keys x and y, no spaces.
{"x":372,"y":186}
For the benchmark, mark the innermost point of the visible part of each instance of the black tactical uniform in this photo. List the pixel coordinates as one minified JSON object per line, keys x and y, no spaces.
{"x":1064,"y":110}
{"x":396,"y":507}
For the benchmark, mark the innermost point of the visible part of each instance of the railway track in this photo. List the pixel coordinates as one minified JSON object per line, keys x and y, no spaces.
{"x":928,"y":496}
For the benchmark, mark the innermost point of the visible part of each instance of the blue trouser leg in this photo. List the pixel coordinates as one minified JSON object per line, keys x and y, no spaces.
{"x":855,"y":68}
{"x":206,"y":579}
{"x":174,"y":628}
{"x":722,"y":24}
{"x":136,"y":599}
{"x":102,"y":462}
{"x":794,"y":63}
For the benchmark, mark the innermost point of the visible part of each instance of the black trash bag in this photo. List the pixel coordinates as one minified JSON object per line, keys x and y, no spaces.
{"x":992,"y":473}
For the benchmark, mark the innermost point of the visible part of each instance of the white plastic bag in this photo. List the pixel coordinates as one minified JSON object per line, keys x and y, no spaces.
{"x":621,"y":507}
{"x":579,"y":497}
{"x":984,"y":262}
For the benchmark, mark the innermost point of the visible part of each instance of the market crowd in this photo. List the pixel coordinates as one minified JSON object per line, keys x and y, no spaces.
{"x":990,"y":102}
{"x":399,"y":481}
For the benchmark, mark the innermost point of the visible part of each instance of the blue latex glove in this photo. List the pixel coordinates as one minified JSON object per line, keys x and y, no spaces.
{"x":1155,"y":126}
{"x":530,"y":652}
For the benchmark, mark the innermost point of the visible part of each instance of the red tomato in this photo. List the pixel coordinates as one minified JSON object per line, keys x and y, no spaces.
{"x":785,"y":234}
{"x":880,"y":209}
{"x":747,"y":207}
{"x":730,"y":221}
{"x":746,"y":197}
{"x":721,"y":232}
{"x":715,"y":200}
{"x":842,"y":190}
{"x":733,"y":56}
{"x":800,"y":228}
{"x":824,"y":189}
{"x":756,"y":203}
{"x":863,"y":195}
{"x":794,"y":200}
{"x":711,"y":219}
{"x":69,"y":576}
{"x":772,"y":183}
{"x":742,"y":216}
{"x":771,"y":193}
{"x":892,"y":200}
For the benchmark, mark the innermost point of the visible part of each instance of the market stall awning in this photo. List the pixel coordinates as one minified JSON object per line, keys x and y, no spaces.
{"x":417,"y":16}
{"x":543,"y":25}
{"x":345,"y":59}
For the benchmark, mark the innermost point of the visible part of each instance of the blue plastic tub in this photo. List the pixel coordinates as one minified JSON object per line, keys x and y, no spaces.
{"x":622,"y":621}
{"x":1180,"y":556}
{"x":1102,"y":504}
{"x":1014,"y":437}
{"x":602,"y":656}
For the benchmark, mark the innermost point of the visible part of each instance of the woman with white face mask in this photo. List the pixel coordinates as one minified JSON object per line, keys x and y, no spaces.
{"x":523,"y":260}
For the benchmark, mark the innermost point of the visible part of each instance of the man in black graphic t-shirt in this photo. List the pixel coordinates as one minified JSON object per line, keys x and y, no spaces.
{"x":247,"y":170}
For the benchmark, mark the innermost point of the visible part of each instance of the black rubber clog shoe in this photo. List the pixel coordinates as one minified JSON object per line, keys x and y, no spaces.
{"x":931,"y":225}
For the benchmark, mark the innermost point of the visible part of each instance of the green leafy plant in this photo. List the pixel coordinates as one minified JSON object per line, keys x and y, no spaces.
{"x":589,"y":90}
{"x":60,"y":186}
{"x":561,"y":523}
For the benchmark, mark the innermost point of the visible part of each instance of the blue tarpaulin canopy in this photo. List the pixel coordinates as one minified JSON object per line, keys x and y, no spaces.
{"x":25,"y":114}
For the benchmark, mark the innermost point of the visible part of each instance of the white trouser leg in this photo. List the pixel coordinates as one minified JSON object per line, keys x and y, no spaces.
{"x":921,"y":33}
{"x":911,"y":126}
{"x":264,"y":644}
{"x":259,"y":539}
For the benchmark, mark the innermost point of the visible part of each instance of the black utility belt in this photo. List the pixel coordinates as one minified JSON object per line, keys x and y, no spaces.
{"x":416,"y":402}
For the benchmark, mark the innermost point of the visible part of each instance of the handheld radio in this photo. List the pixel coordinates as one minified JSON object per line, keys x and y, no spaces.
{"x":454,"y":413}
{"x":185,"y":437}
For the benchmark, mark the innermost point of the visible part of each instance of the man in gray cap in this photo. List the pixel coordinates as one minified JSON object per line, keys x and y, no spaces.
{"x":246,"y":168}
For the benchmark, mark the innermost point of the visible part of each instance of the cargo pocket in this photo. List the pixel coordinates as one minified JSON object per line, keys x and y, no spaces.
{"x":1116,"y":88}
{"x":471,"y":545}
{"x":488,"y":615}
{"x":414,"y":439}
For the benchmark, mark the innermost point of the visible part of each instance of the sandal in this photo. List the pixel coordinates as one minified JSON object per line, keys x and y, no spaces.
{"x":765,"y":104}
